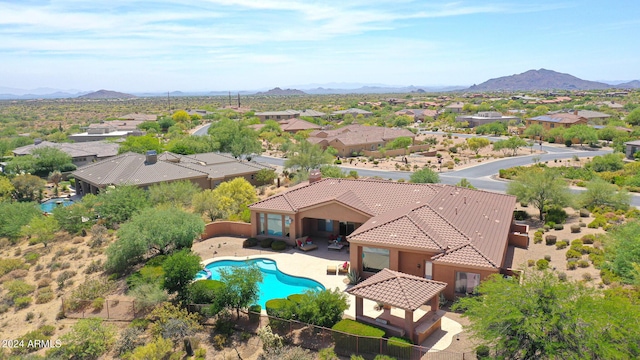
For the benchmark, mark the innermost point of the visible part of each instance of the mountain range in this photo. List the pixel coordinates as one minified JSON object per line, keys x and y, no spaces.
{"x":532,"y":80}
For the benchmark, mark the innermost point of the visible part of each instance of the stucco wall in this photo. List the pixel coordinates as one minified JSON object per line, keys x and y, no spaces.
{"x":220,"y":228}
{"x":447,"y":274}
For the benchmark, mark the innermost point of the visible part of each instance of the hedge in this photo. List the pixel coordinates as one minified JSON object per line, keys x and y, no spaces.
{"x":254,"y":313}
{"x":250,"y":242}
{"x":275,"y":308}
{"x":399,"y":348}
{"x":278,"y":245}
{"x":203,"y":291}
{"x":266,"y":243}
{"x":296,"y":298}
{"x":346,"y":344}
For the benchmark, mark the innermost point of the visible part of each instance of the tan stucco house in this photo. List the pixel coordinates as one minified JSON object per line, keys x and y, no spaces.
{"x":445,"y":233}
{"x":356,"y":138}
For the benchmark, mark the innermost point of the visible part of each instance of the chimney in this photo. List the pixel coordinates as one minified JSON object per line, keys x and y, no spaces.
{"x":37,"y":141}
{"x":314,"y":176}
{"x":151,"y":157}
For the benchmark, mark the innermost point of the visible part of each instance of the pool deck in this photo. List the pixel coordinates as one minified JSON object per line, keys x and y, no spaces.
{"x":313,"y":265}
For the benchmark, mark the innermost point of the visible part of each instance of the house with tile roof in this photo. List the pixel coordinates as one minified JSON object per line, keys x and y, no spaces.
{"x":277,"y":115}
{"x":81,"y":154}
{"x":356,"y":138}
{"x":551,"y":121}
{"x":419,"y":114}
{"x":353,"y":112}
{"x":206,"y":170}
{"x":632,"y":147}
{"x":445,"y":233}
{"x":591,"y":115}
{"x":455,"y":107}
{"x":486,"y":117}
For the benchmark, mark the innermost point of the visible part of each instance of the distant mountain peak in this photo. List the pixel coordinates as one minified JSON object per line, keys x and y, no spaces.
{"x":281,"y":92}
{"x":106,"y":94}
{"x":541,"y":79}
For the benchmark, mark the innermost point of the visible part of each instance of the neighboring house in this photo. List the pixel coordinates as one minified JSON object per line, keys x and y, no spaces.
{"x":593,"y":115}
{"x":312,"y":113}
{"x":206,"y":170}
{"x":455,"y":107}
{"x":356,"y":138}
{"x":564,"y":120}
{"x":108,"y":130}
{"x":419,"y":114}
{"x":612,"y":105}
{"x":291,"y":125}
{"x":486,"y":117}
{"x":81,"y":154}
{"x":632,"y":147}
{"x":277,"y":115}
{"x":138,"y":117}
{"x":353,"y":112}
{"x":441,"y":232}
{"x":199,"y":112}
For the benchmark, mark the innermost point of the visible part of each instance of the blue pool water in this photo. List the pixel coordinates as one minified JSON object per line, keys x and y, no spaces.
{"x":49,"y":205}
{"x":275,"y":283}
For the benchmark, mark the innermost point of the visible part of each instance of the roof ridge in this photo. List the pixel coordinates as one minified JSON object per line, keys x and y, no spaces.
{"x":446,"y":220}
{"x":459,"y":247}
{"x":422,"y":230}
{"x":119,"y":156}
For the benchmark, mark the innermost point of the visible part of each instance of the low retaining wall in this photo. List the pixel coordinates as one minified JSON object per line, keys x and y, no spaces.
{"x":222,"y":228}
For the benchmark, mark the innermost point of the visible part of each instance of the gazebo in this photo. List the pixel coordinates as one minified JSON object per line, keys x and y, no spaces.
{"x":407,"y":292}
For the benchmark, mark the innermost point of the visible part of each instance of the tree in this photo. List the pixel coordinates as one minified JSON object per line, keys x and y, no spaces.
{"x":323,"y":308}
{"x":181,"y":116}
{"x":150,"y":125}
{"x":534,"y":131}
{"x":240,"y":288}
{"x":175,"y":193}
{"x":25,"y":164}
{"x":115,"y":206}
{"x":424,"y":175}
{"x":607,"y":162}
{"x":601,"y":193}
{"x":187,"y":145}
{"x":265,"y":177}
{"x":540,"y":188}
{"x":74,"y":218}
{"x":228,"y":200}
{"x":401,"y":142}
{"x":49,"y":159}
{"x":14,"y":215}
{"x":465,"y":184}
{"x":623,"y":252}
{"x":165,"y":123}
{"x":545,"y":318}
{"x":235,"y":138}
{"x":306,"y":156}
{"x":41,"y":229}
{"x":331,"y":171}
{"x":514,"y":143}
{"x":6,"y":189}
{"x":180,"y":268}
{"x":477,"y":143}
{"x":496,"y":128}
{"x":153,"y":231}
{"x":634,"y":117}
{"x":583,"y":133}
{"x":27,"y":187}
{"x":140,"y":144}
{"x":88,"y":339}
{"x":55,"y":177}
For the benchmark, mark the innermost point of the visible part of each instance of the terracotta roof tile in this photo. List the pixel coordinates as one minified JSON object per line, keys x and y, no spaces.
{"x":465,"y":254}
{"x":397,"y":289}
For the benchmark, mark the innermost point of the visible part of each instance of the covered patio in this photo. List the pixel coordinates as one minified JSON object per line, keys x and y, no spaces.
{"x":399,"y":291}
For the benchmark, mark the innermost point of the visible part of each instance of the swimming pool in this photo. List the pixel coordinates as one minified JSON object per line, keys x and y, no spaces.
{"x":51,"y":204}
{"x":275,"y":284}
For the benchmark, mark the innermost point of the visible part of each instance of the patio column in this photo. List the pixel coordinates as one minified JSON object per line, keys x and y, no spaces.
{"x":359,"y":306}
{"x":408,"y":324}
{"x":435,"y":303}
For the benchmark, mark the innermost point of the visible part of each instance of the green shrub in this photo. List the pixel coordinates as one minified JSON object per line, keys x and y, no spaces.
{"x":520,"y":215}
{"x":203,"y":291}
{"x":584,"y":213}
{"x":278,"y":245}
{"x":556,"y":215}
{"x":98,"y":304}
{"x":588,"y":239}
{"x":148,"y":274}
{"x":542,"y":264}
{"x":531,"y":262}
{"x":577,"y":243}
{"x":296,"y":298}
{"x":22,"y":302}
{"x":573,"y":254}
{"x":562,"y":276}
{"x":575,"y":228}
{"x":561,"y":245}
{"x":44,"y":295}
{"x":266,"y":243}
{"x":254,"y":313}
{"x":482,"y":352}
{"x":537,"y":239}
{"x":280,"y":308}
{"x":550,"y":239}
{"x":345,"y":343}
{"x":572,"y":265}
{"x":399,"y":348}
{"x":250,"y":242}
{"x":547,"y":257}
{"x":599,"y":221}
{"x":31,"y":257}
{"x":583,"y":263}
{"x":558,"y":227}
{"x":18,"y":288}
{"x":41,"y":334}
{"x":8,"y":265}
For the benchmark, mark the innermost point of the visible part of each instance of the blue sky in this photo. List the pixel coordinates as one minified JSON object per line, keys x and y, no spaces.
{"x":242,"y":44}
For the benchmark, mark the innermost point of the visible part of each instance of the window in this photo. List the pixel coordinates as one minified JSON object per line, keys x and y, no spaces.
{"x":466,"y":282}
{"x":274,"y":224}
{"x":261,"y":228}
{"x":287,"y":225}
{"x":428,"y":270}
{"x":374,"y":259}
{"x":325,"y":225}
{"x":552,"y":125}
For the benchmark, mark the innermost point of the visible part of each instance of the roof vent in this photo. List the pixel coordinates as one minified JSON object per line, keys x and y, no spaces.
{"x":151,"y":157}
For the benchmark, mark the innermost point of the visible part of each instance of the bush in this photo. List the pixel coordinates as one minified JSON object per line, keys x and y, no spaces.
{"x":22,"y":302}
{"x":573,"y":254}
{"x":250,"y":242}
{"x":575,"y":228}
{"x":520,"y":215}
{"x":588,"y":239}
{"x":550,"y":239}
{"x":482,"y":352}
{"x":266,"y":243}
{"x":278,"y":245}
{"x":561,"y":245}
{"x":542,"y":264}
{"x":98,"y":304}
{"x":562,"y":276}
{"x":576,"y":244}
{"x":537,"y":239}
{"x":254,"y":313}
{"x":584,"y":213}
{"x":547,"y":257}
{"x":583,"y":263}
{"x":531,"y":262}
{"x":556,"y":215}
{"x":204,"y":291}
{"x":399,"y":348}
{"x":280,"y":308}
{"x":296,"y":298}
{"x":558,"y":227}
{"x":346,"y":344}
{"x":572,"y":265}
{"x":599,"y":221}
{"x":44,"y":295}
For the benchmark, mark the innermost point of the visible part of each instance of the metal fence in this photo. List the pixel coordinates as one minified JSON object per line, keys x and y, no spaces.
{"x":109,"y":309}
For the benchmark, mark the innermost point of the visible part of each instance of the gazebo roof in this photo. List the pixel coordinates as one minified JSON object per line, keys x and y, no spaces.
{"x":398,"y":289}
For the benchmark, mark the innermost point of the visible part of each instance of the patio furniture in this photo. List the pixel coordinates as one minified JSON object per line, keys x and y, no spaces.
{"x":335,"y":246}
{"x":343,"y":269}
{"x":331,"y":269}
{"x":305,"y":244}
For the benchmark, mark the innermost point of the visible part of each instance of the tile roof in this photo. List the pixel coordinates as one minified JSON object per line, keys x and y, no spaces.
{"x":352,"y":111}
{"x":428,"y":217}
{"x":287,"y":112}
{"x":295,"y":124}
{"x":589,"y":114}
{"x":98,"y":149}
{"x":312,"y":113}
{"x":139,"y":116}
{"x":397,"y":289}
{"x":465,"y":254}
{"x":561,"y":118}
{"x":358,"y":134}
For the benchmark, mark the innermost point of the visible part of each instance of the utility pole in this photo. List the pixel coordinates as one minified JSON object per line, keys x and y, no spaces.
{"x":238,"y":101}
{"x":169,"y":102}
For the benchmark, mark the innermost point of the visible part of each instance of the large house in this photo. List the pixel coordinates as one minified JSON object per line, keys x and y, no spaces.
{"x":486,"y":117}
{"x":455,"y":107}
{"x":138,"y":117}
{"x":291,"y":125}
{"x":353,"y":112}
{"x":81,"y":154}
{"x":632,"y":147}
{"x":591,"y":115}
{"x":551,"y":121}
{"x":445,"y":233}
{"x":206,"y":170}
{"x":419,"y":114}
{"x":277,"y":115}
{"x":104,"y":130}
{"x":356,"y":138}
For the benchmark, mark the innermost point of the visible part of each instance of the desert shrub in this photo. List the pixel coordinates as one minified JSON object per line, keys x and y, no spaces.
{"x":22,"y":302}
{"x":550,"y":239}
{"x":41,"y":334}
{"x":18,"y":288}
{"x":278,"y":245}
{"x":556,"y":215}
{"x":148,"y":296}
{"x":87,"y":292}
{"x":583,"y":263}
{"x":64,"y":277}
{"x":254,"y":313}
{"x":31,"y":257}
{"x":250,"y":242}
{"x":537,"y":239}
{"x":130,"y":338}
{"x":157,"y":349}
{"x":531,"y":262}
{"x":561,"y":245}
{"x":8,"y":265}
{"x":588,"y":239}
{"x":346,"y":344}
{"x":167,"y":311}
{"x":266,"y":243}
{"x":577,"y":243}
{"x":562,"y":276}
{"x":573,"y":254}
{"x":520,"y":215}
{"x":575,"y":228}
{"x":599,"y":221}
{"x":203,"y":291}
{"x":93,"y":267}
{"x":587,"y":277}
{"x":558,"y":227}
{"x":44,"y":295}
{"x":482,"y":352}
{"x":98,"y":304}
{"x":572,"y":265}
{"x":582,"y":224}
{"x":584,"y":213}
{"x":542,"y":264}
{"x":547,"y":257}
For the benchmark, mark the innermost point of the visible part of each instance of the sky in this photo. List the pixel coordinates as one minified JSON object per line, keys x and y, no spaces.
{"x":219,"y":45}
